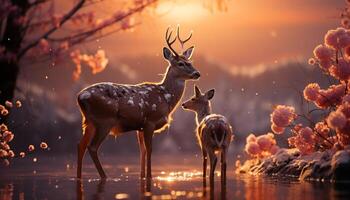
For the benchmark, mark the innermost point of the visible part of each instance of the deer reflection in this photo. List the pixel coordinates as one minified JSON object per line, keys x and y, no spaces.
{"x":100,"y":189}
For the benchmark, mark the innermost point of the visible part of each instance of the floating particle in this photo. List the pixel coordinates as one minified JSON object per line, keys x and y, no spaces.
{"x":31,"y":147}
{"x":43,"y":145}
{"x":35,"y":159}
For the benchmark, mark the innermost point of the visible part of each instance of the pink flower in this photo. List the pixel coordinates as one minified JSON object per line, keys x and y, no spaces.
{"x":322,"y":52}
{"x":322,"y":129}
{"x":283,"y":116}
{"x":43,"y":145}
{"x":277,"y":129}
{"x":252,"y":148}
{"x":307,"y":135}
{"x":345,"y":109}
{"x":332,"y":96}
{"x":31,"y":147}
{"x":341,"y":70}
{"x":274,"y":149}
{"x":265,"y":142}
{"x":8,"y":136}
{"x":336,"y":120}
{"x":337,"y":39}
{"x":311,"y":61}
{"x":325,"y":64}
{"x":346,"y":99}
{"x":311,"y":92}
{"x":251,"y":138}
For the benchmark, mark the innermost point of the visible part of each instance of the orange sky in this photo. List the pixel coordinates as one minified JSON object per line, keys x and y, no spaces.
{"x":251,"y":31}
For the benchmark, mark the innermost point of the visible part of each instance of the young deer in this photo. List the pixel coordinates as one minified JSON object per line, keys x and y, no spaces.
{"x":214,"y":133}
{"x":145,"y":107}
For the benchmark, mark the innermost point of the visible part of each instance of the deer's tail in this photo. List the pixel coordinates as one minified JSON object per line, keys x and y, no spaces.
{"x":219,"y":134}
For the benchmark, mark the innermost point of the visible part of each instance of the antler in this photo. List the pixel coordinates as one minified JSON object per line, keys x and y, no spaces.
{"x":182,"y":42}
{"x":168,"y":41}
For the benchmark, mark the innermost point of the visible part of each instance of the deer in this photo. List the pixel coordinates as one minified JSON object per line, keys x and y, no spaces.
{"x":112,"y":109}
{"x":214,"y":133}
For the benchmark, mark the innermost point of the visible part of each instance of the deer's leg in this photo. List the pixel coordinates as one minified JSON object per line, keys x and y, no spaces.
{"x":141,"y":140}
{"x":205,"y":161}
{"x":213,"y":161}
{"x":88,"y":133}
{"x":223,"y":173}
{"x":101,"y":133}
{"x":148,"y":134}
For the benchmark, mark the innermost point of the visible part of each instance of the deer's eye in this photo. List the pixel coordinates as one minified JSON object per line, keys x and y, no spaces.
{"x":192,"y":99}
{"x":181,"y":64}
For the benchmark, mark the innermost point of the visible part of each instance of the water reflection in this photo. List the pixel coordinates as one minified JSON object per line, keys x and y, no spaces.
{"x":166,"y":184}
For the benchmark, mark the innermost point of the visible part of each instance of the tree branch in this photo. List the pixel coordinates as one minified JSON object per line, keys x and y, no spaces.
{"x":53,"y":29}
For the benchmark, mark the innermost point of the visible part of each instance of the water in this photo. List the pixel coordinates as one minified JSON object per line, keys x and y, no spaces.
{"x":174,"y":177}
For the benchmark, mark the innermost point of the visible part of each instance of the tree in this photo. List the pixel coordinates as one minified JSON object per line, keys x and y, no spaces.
{"x":33,"y":27}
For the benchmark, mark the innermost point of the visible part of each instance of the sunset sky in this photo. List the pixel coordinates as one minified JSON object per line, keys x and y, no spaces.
{"x":250,"y":32}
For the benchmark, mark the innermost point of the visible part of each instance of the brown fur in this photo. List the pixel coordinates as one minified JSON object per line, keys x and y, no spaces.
{"x":145,"y":108}
{"x":214,"y":134}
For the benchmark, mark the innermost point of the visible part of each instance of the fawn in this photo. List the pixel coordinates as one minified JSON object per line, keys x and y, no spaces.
{"x":214,"y":133}
{"x":145,"y":107}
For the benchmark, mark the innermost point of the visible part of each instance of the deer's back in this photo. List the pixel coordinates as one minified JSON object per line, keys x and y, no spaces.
{"x":130,"y":106}
{"x":215,"y":132}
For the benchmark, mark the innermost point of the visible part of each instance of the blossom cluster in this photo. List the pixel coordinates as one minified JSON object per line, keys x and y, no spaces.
{"x":332,"y":128}
{"x":261,"y":146}
{"x":6,"y":136}
{"x":97,"y":62}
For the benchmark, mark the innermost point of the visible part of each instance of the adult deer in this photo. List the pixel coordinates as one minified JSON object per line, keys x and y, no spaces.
{"x":145,"y":107}
{"x":214,"y":133}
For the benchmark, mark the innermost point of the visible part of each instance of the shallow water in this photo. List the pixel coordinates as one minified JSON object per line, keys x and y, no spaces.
{"x":173,"y":178}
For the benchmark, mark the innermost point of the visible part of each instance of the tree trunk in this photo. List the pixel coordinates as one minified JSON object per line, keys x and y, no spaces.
{"x":11,"y":41}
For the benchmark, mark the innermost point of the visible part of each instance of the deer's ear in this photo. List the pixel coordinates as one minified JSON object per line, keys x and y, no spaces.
{"x":167,"y":53}
{"x":197,"y":91}
{"x":188,"y":53}
{"x":210,"y":94}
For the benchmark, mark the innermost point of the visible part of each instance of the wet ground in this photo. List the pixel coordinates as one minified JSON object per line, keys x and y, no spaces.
{"x":173,"y":178}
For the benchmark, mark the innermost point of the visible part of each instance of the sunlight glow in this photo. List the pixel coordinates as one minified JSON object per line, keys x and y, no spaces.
{"x":184,"y":12}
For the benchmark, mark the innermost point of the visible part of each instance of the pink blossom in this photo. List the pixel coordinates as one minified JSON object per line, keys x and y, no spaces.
{"x":322,"y":129}
{"x":325,"y":64}
{"x":336,"y":120}
{"x":43,"y":145}
{"x":332,"y":96}
{"x":311,"y":92}
{"x":31,"y":148}
{"x":274,"y":149}
{"x":311,"y":61}
{"x":8,"y":104}
{"x":22,"y":154}
{"x":252,"y":148}
{"x":341,"y":70}
{"x":322,"y":52}
{"x":8,"y":136}
{"x":283,"y":116}
{"x":346,"y":99}
{"x":265,"y":142}
{"x":337,"y":39}
{"x":251,"y":138}
{"x":18,"y":104}
{"x":307,"y":135}
{"x":277,"y":129}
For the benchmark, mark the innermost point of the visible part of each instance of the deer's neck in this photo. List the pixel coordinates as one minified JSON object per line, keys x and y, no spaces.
{"x":174,"y":86}
{"x":201,"y":114}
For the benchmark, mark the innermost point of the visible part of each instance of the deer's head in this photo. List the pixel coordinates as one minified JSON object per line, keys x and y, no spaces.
{"x":199,"y":102}
{"x":180,"y":64}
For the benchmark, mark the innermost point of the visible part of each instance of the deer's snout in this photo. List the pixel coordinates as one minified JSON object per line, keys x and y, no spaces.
{"x":183,"y":105}
{"x":196,"y":75}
